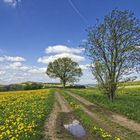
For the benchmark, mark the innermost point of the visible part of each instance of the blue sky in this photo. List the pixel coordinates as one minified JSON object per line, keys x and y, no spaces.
{"x":29,"y":27}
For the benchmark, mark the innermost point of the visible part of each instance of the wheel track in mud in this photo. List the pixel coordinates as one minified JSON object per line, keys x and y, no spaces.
{"x":113,"y":117}
{"x":60,"y":106}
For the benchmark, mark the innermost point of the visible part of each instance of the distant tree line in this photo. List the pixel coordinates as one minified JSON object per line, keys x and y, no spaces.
{"x":16,"y":87}
{"x":34,"y":86}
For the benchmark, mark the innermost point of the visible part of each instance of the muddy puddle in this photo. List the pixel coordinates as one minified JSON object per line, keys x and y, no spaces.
{"x":75,"y":128}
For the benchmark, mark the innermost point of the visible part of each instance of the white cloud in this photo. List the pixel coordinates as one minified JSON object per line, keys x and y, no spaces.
{"x":2,"y":72}
{"x":63,"y":49}
{"x":15,"y":65}
{"x":24,"y":68}
{"x":37,"y":70}
{"x":12,"y":3}
{"x":18,"y":66}
{"x":17,"y":72}
{"x":43,"y":70}
{"x":34,"y":70}
{"x":138,"y":47}
{"x":85,"y":67}
{"x":84,"y":40}
{"x":60,"y":51}
{"x":12,"y":58}
{"x":47,"y":59}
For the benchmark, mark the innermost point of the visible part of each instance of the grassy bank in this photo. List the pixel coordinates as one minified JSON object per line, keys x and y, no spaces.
{"x":127,"y":101}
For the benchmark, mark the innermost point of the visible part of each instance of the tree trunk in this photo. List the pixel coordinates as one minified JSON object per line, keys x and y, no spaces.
{"x":112,"y":97}
{"x":64,"y":84}
{"x":112,"y":92}
{"x":108,"y":95}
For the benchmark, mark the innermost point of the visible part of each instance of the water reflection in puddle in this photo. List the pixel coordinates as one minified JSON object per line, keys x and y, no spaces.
{"x":75,"y":128}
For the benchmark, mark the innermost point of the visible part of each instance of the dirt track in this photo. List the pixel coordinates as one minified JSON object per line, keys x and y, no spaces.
{"x":60,"y":106}
{"x":50,"y":125}
{"x":61,"y":114}
{"x":63,"y":104}
{"x":116,"y":118}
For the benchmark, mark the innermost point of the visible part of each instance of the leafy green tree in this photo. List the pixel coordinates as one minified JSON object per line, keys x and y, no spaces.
{"x":65,"y":69}
{"x":114,"y":49}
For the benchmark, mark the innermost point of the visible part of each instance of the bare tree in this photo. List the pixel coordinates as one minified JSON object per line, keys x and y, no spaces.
{"x":113,"y":48}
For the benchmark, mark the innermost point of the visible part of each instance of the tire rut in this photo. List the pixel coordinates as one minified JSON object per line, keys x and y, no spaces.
{"x":116,"y":118}
{"x":50,"y":125}
{"x":61,"y":114}
{"x":63,"y":104}
{"x":60,"y":106}
{"x":65,"y":108}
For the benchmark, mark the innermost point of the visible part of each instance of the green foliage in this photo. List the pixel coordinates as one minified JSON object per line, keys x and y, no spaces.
{"x":3,"y":88}
{"x":134,"y":83}
{"x":65,"y":69}
{"x":112,"y":48}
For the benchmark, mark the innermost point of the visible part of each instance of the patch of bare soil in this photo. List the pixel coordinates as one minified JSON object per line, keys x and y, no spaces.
{"x":63,"y":104}
{"x":50,"y":125}
{"x":67,"y":116}
{"x":113,"y":118}
{"x":126,"y":122}
{"x":61,"y":115}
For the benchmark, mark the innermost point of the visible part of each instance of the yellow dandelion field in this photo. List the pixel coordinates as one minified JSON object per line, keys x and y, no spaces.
{"x":22,"y":114}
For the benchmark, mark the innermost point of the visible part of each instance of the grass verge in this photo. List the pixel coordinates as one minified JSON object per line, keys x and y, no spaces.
{"x":127,"y":101}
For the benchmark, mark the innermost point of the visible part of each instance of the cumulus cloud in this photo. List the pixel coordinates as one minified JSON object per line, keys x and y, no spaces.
{"x":21,"y":67}
{"x":84,"y":67}
{"x":60,"y":51}
{"x":63,"y":49}
{"x":36,"y":70}
{"x":2,"y":72}
{"x":15,"y":65}
{"x":12,"y":3}
{"x":16,"y":72}
{"x":18,"y":66}
{"x":12,"y":58}
{"x":138,"y":47}
{"x":84,"y":40}
{"x":47,"y":59}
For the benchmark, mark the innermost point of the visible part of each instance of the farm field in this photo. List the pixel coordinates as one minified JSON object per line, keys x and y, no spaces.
{"x":42,"y":114}
{"x":69,"y":70}
{"x":22,"y":114}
